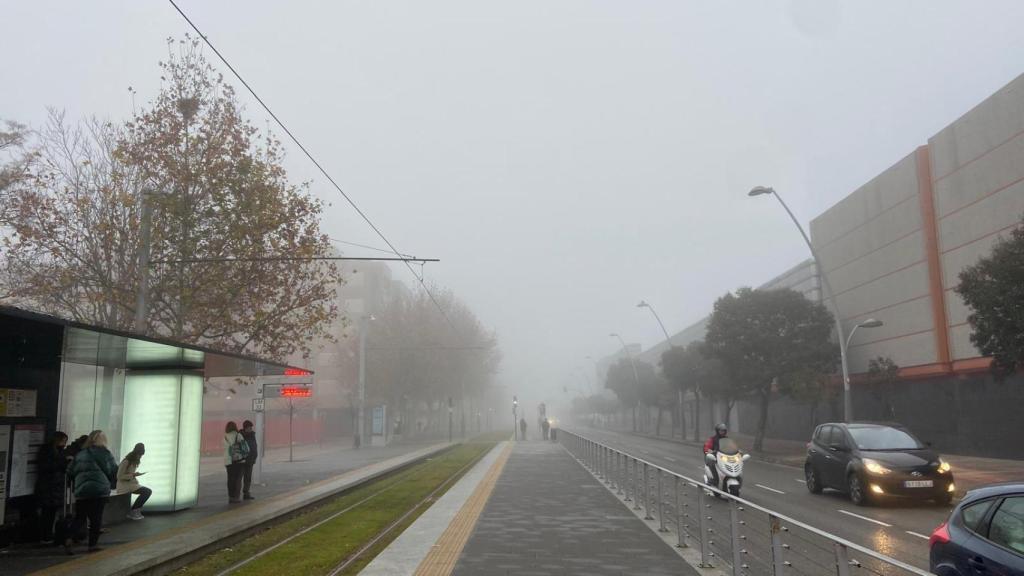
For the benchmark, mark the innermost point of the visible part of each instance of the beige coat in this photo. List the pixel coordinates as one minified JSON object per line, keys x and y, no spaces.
{"x":126,"y":480}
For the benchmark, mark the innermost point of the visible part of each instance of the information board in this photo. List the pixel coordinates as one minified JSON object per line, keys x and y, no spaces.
{"x":17,"y":403}
{"x":28,"y":438}
{"x":5,"y":445}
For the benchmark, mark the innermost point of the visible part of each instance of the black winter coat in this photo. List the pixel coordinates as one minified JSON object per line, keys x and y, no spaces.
{"x":51,"y":465}
{"x":250,"y":439}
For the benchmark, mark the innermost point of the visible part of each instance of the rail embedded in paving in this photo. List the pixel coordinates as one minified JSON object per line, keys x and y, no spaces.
{"x":748,"y":538}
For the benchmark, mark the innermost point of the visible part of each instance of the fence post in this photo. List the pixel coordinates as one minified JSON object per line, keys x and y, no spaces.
{"x":705,"y":552}
{"x":680,"y":529}
{"x":647,"y":495}
{"x":619,"y":460}
{"x":842,"y":559}
{"x":776,"y":529}
{"x":661,"y":503}
{"x":636,"y":484}
{"x":737,"y":560}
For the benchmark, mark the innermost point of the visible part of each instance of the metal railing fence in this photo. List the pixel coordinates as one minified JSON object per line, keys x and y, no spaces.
{"x":749,"y":539}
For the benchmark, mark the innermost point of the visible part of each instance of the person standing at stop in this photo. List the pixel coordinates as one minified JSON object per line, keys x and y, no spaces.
{"x":236,"y":451}
{"x":95,"y":473}
{"x":249,"y":433}
{"x":522,"y":428}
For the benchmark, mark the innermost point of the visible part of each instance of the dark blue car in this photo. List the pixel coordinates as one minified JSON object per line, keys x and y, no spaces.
{"x":983,"y":536}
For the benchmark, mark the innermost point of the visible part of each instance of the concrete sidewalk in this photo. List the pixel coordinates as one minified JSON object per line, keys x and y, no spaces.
{"x":970,"y":472}
{"x":548,"y":515}
{"x":529,"y":508}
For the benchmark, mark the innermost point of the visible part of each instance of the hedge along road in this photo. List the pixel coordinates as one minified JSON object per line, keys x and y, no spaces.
{"x":342,"y":535}
{"x":898,"y":529}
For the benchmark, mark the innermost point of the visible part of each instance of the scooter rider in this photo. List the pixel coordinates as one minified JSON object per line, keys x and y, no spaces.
{"x":711,"y":447}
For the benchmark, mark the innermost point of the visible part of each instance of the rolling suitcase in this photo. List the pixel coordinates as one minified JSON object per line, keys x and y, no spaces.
{"x":66,"y":523}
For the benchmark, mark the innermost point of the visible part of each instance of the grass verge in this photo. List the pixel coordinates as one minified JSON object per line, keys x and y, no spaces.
{"x":319,"y":550}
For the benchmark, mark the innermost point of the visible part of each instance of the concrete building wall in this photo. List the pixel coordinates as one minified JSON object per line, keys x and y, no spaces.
{"x":977,"y":172}
{"x":873,"y":248}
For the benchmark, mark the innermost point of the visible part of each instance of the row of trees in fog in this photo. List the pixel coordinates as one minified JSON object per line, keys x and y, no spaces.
{"x":416,"y":356}
{"x":758,"y":343}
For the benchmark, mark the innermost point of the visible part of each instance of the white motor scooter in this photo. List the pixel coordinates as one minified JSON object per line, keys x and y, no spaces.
{"x":729,"y":464}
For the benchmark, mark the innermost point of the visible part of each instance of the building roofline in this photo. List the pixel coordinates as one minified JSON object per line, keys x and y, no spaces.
{"x":14,"y":311}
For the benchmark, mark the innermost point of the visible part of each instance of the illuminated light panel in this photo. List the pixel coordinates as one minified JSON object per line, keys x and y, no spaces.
{"x":296,"y":372}
{"x":296,"y":392}
{"x":164,"y":411}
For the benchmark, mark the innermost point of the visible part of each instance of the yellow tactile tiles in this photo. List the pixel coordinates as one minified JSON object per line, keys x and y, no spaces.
{"x":441,"y":559}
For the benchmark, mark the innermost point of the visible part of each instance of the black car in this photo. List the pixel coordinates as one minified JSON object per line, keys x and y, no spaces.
{"x":871,"y":461}
{"x":983,"y":535}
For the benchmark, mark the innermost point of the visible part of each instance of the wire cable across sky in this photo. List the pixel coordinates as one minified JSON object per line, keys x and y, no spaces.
{"x":316,"y":163}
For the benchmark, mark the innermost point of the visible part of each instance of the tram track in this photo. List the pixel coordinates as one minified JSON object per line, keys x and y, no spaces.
{"x":370,"y":502}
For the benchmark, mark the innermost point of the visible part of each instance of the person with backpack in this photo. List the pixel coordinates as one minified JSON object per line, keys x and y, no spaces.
{"x":95,"y":474}
{"x":249,"y":433}
{"x":128,"y":480}
{"x":236,"y":452}
{"x":51,"y":466}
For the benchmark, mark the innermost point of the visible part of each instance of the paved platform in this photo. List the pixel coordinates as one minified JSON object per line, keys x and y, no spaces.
{"x":537,"y":512}
{"x":133,"y":547}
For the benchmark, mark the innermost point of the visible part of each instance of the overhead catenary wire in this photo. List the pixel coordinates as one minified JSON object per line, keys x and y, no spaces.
{"x":316,"y":163}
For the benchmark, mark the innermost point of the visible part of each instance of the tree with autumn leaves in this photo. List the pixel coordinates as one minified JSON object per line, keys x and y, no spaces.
{"x":222,"y":204}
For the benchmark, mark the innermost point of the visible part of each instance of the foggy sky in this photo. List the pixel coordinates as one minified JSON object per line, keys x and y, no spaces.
{"x":564,"y":159}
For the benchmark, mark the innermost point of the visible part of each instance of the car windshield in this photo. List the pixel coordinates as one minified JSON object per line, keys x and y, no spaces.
{"x":883,"y":438}
{"x":728,"y":446}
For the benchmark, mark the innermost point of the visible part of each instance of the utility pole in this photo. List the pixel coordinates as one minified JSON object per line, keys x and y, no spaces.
{"x":142,"y":290}
{"x":451,"y":410}
{"x":515,"y":421}
{"x":363,"y":327}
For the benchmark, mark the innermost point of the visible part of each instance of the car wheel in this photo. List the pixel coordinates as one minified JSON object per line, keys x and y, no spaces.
{"x":813,"y":480}
{"x":858,"y":495}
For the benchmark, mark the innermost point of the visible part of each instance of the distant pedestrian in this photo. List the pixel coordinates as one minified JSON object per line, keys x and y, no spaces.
{"x":95,"y":473}
{"x":249,"y":433}
{"x":128,"y":480}
{"x":236,"y":451}
{"x":545,"y":426}
{"x":51,"y":480}
{"x":522,"y":428}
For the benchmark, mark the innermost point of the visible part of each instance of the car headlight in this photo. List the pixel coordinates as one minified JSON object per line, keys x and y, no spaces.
{"x":944,"y":466}
{"x":874,"y":467}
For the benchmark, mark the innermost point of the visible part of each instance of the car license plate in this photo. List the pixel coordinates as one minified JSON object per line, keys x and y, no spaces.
{"x":919,"y":483}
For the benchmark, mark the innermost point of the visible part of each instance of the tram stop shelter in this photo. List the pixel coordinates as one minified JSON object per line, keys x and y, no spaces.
{"x":58,"y":374}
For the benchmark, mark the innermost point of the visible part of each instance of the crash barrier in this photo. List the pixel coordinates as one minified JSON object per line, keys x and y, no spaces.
{"x":750,"y":539}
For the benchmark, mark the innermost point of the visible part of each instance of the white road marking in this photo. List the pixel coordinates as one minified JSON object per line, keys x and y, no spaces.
{"x":918,"y":535}
{"x":801,"y":481}
{"x":770,"y":489}
{"x":670,"y":459}
{"x":879,"y":522}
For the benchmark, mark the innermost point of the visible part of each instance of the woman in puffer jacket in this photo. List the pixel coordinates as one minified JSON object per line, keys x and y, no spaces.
{"x":95,"y":473}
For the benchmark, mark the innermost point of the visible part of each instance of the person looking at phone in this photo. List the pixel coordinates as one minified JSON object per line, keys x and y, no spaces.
{"x":128,"y":480}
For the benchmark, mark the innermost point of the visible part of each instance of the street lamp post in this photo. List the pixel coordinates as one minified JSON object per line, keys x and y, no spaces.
{"x":679,"y":407}
{"x":869,"y":323}
{"x":632,"y":363}
{"x":644,"y":304}
{"x":364,"y":325}
{"x":829,"y":294}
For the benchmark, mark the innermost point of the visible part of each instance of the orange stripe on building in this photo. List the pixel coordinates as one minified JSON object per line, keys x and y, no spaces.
{"x":931,"y":245}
